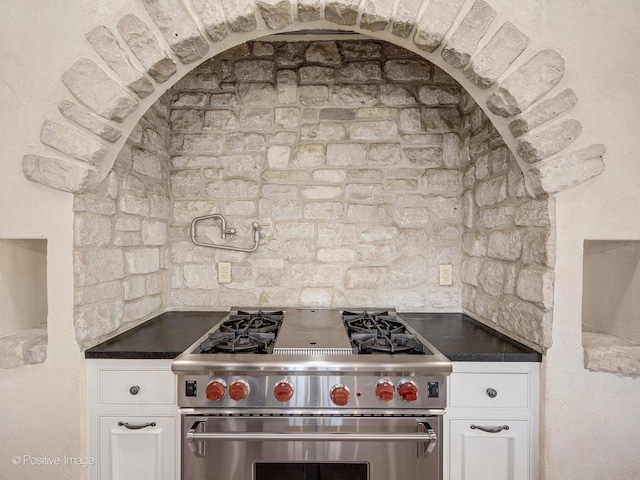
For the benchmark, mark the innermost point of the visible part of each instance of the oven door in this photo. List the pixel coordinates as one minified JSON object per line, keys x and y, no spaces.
{"x":311,"y":448}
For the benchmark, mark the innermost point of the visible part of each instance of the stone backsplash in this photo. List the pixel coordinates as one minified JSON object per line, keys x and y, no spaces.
{"x":121,"y":261}
{"x":508,"y":244}
{"x":350,"y":153}
{"x":368,"y":165}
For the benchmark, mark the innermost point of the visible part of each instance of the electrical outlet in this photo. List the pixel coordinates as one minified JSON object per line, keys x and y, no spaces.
{"x":224,"y":272}
{"x":446,"y":275}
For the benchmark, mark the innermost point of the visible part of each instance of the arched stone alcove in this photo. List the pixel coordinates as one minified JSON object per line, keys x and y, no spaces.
{"x":527,"y":104}
{"x":521,"y":92}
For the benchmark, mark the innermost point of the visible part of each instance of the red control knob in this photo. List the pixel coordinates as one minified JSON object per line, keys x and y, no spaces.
{"x":216,"y":390}
{"x":283,"y":391}
{"x":239,"y":390}
{"x":385,"y":390}
{"x":408,"y":390}
{"x":339,"y":395}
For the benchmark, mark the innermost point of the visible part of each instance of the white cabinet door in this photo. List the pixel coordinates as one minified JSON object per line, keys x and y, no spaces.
{"x":479,"y":455}
{"x":134,"y":448}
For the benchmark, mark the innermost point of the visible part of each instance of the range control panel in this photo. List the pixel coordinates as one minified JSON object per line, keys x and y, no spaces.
{"x":308,"y":391}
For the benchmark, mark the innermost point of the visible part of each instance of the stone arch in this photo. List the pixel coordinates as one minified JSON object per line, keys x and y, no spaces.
{"x":527,"y":103}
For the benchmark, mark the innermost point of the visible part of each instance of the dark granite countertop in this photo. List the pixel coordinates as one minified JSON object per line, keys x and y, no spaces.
{"x":457,"y":336}
{"x":462,"y":339}
{"x":164,"y":336}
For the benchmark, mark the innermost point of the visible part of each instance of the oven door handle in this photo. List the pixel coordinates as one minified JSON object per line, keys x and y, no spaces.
{"x":425,"y":437}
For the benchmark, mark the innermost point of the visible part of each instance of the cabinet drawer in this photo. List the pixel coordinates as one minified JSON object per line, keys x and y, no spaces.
{"x":472,"y":390}
{"x":154,"y":387}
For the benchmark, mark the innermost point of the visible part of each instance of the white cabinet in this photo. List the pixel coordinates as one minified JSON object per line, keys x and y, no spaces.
{"x":491,"y":424}
{"x":134,"y":425}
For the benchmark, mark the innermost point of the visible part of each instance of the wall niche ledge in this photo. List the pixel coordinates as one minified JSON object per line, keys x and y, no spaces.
{"x":604,"y":352}
{"x":25,"y":347}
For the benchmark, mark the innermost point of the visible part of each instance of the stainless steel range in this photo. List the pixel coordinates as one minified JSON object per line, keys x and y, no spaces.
{"x":311,"y":394}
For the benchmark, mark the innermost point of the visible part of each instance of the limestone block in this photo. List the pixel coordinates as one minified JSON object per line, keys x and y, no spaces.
{"x":97,"y":293}
{"x":315,"y":74}
{"x":525,"y":320}
{"x":534,"y":213}
{"x":491,"y":192}
{"x":342,"y":12}
{"x":239,"y":142}
{"x":468,"y":209}
{"x":323,"y":53}
{"x":566,"y":171}
{"x":515,"y":181}
{"x":441,"y":180}
{"x":538,"y":248}
{"x":409,"y":120}
{"x":254,"y":70}
{"x":527,"y":84}
{"x":25,"y":347}
{"x":73,"y":142}
{"x":318,"y":192}
{"x":93,"y":88}
{"x":309,"y":10}
{"x":491,"y":278}
{"x":200,"y":276}
{"x":95,"y":320}
{"x":346,"y":154}
{"x":216,"y":119}
{"x":384,"y":154}
{"x":145,"y":47}
{"x":353,"y":95}
{"x":496,"y":56}
{"x":133,"y":205}
{"x":543,"y":112}
{"x":92,"y":266}
{"x":142,"y":260}
{"x":141,"y":308}
{"x":474,"y":244}
{"x":409,"y":271}
{"x":241,"y":16}
{"x":159,"y":206}
{"x":500,"y":159}
{"x":464,"y":41}
{"x":147,"y":163}
{"x":405,"y":17}
{"x":106,"y":45}
{"x":376,"y":15}
{"x":212,"y":18}
{"x":470,"y":271}
{"x":408,"y":217}
{"x":392,"y":94}
{"x":368,"y":71}
{"x":59,"y":174}
{"x":134,"y":287}
{"x":257,"y":93}
{"x":543,"y":143}
{"x":234,"y":188}
{"x":444,"y":208}
{"x":128,"y":224}
{"x":154,"y":233}
{"x":374,"y":130}
{"x":222,"y":99}
{"x":89,"y":121}
{"x":505,"y":245}
{"x":366,"y":277}
{"x":276,"y":13}
{"x":440,"y":119}
{"x":435,"y":22}
{"x":308,"y":155}
{"x":188,"y":119}
{"x":364,"y":192}
{"x":91,"y":230}
{"x":286,"y":86}
{"x":607,"y":353}
{"x":535,"y":285}
{"x":428,"y":157}
{"x":437,"y":95}
{"x":178,"y":29}
{"x":407,"y":70}
{"x":495,"y":217}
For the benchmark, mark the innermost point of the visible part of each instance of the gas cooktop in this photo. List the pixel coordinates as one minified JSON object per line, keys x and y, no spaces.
{"x":317,"y":339}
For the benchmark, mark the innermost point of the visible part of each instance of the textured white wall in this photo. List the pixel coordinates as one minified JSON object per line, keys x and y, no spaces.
{"x":589,"y":418}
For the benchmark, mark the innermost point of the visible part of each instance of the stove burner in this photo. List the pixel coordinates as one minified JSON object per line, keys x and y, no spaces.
{"x":380,"y":333}
{"x":244,"y":333}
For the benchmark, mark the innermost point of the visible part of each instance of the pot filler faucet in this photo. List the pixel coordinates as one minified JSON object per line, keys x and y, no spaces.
{"x":258,"y":233}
